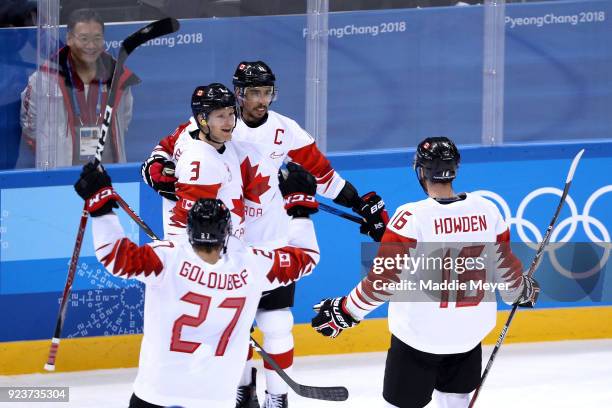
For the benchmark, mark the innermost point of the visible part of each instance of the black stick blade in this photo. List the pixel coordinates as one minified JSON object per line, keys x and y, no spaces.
{"x":322,"y":393}
{"x":150,"y":31}
{"x":307,"y":391}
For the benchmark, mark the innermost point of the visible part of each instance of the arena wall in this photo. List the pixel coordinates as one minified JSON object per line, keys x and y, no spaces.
{"x":40,"y":213}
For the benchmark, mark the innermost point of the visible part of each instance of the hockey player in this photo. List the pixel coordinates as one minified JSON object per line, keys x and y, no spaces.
{"x":201,"y":295}
{"x":265,"y":140}
{"x":204,"y":162}
{"x":435,"y":345}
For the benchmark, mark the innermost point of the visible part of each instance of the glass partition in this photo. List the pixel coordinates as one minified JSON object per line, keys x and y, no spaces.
{"x":358,"y":75}
{"x":154,"y":94}
{"x":399,"y":75}
{"x":558,"y":71}
{"x":17,"y":62}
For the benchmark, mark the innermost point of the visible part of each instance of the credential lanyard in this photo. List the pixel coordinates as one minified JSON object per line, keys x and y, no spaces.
{"x":75,"y":103}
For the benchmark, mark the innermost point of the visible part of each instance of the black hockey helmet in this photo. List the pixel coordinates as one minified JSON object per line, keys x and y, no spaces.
{"x":208,"y":98}
{"x":209,"y":223}
{"x":439,"y":159}
{"x":253,"y":73}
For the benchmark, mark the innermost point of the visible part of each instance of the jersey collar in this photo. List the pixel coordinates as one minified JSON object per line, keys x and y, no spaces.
{"x":458,"y":197}
{"x":256,"y":124}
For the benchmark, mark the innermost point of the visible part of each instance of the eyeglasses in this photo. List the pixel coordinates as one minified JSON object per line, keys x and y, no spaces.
{"x":84,"y":40}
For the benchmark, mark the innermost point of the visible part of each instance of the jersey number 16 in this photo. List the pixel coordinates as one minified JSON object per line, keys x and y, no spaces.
{"x":462,"y":299}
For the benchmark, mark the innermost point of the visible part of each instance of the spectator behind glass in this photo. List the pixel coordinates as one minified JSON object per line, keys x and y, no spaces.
{"x":84,"y":76}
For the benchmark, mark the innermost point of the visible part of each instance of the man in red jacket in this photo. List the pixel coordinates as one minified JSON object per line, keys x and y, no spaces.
{"x":83,"y":77}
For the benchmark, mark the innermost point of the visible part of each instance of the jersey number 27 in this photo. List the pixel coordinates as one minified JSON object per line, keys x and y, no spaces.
{"x":184,"y":346}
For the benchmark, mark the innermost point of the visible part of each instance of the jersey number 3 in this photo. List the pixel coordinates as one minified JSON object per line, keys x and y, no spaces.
{"x":195,"y":169}
{"x":203,"y":302}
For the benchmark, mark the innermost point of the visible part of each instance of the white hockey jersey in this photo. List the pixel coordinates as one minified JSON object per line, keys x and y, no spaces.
{"x":203,"y":172}
{"x":455,"y":321}
{"x":263,"y":150}
{"x":198,"y":316}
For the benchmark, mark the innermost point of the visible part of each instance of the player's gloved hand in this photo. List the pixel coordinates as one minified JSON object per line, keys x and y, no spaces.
{"x":298,"y":188}
{"x":375,"y":216}
{"x":332,"y":317}
{"x":531,"y":291}
{"x":158,"y":173}
{"x":94,"y":186}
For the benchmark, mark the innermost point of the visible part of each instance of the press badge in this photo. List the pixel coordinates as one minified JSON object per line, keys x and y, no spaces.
{"x":88,"y":141}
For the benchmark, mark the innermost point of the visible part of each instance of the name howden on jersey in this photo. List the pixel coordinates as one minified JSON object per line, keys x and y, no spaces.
{"x":467,"y":223}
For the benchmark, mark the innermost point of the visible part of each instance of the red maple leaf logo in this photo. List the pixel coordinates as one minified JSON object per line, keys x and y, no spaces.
{"x":253,"y":183}
{"x":238,"y":208}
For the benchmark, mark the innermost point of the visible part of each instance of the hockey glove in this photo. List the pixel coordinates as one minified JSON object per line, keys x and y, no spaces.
{"x":531,"y":291}
{"x":298,"y":188}
{"x":332,"y":317}
{"x":94,"y":186}
{"x":375,"y":216}
{"x":158,"y":173}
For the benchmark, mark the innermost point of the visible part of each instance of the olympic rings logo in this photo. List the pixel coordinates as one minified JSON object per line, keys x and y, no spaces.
{"x":587,"y":220}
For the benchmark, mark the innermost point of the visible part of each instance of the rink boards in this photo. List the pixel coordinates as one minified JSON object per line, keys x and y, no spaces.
{"x":40,"y":214}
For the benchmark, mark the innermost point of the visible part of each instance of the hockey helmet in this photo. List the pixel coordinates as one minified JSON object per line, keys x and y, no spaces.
{"x":208,"y":98}
{"x":253,"y":73}
{"x":209,"y":223}
{"x":439,"y":158}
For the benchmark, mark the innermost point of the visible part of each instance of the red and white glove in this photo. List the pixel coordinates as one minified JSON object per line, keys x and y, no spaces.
{"x":158,"y":173}
{"x":294,"y":200}
{"x":298,"y":188}
{"x":95,"y":187}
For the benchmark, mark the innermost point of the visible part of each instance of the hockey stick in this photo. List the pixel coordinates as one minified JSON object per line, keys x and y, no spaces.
{"x":59,"y":324}
{"x":307,"y":391}
{"x":338,"y":393}
{"x":327,"y":208}
{"x":136,"y":218}
{"x":330,"y":209}
{"x":149,"y":32}
{"x":153,"y":30}
{"x":530,"y":272}
{"x":340,"y":213}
